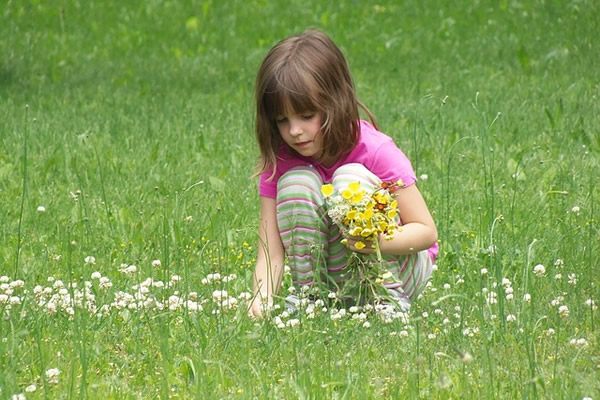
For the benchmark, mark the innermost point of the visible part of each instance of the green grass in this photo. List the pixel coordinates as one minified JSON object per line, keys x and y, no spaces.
{"x":132,"y":125}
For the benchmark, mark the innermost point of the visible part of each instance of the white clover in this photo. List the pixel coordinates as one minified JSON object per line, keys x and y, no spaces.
{"x":563,"y":311}
{"x":423,"y":177}
{"x":31,"y":388}
{"x":366,"y":324}
{"x":590,"y":303}
{"x":575,"y":209}
{"x":52,"y":375}
{"x":431,"y":336}
{"x":17,"y":284}
{"x":332,"y":295}
{"x":539,"y":270}
{"x":483,"y":271}
{"x":90,"y":260}
{"x":511,"y":318}
{"x":156,"y":263}
{"x":527,"y":298}
{"x":559,"y":263}
{"x":572,"y":279}
{"x":41,"y":209}
{"x":549,"y":332}
{"x":292,"y":322}
{"x":96,"y":275}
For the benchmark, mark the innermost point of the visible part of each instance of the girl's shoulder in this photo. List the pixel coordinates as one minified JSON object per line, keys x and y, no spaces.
{"x":371,"y":137}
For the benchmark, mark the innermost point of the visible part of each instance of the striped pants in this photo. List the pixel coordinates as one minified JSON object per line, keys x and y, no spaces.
{"x":312,"y":241}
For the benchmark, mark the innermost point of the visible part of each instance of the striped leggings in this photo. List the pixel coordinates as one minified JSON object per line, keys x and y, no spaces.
{"x":312,"y":241}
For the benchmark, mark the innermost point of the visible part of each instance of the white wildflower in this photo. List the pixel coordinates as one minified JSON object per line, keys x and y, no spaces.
{"x":156,"y":263}
{"x":41,"y":209}
{"x":90,"y":260}
{"x":511,"y":318}
{"x":559,"y":263}
{"x":563,"y":311}
{"x":590,"y":303}
{"x":539,"y":270}
{"x":572,"y":279}
{"x":52,"y":375}
{"x":292,"y":322}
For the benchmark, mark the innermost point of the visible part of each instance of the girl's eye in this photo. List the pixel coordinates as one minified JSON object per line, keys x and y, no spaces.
{"x":280,"y":120}
{"x":307,"y":116}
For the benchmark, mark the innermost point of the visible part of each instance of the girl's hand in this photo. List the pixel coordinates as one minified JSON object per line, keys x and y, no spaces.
{"x":369,"y":245}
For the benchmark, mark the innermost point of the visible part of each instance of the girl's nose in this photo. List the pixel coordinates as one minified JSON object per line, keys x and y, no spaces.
{"x":295,"y":128}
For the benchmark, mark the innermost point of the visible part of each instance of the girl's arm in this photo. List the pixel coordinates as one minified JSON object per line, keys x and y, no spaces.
{"x":418,"y":229}
{"x":268,"y":272}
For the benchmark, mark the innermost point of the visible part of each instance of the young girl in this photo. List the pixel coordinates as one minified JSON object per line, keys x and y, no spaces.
{"x":309,"y":133}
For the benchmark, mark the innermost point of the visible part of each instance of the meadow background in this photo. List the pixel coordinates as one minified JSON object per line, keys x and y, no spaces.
{"x":126,"y":139}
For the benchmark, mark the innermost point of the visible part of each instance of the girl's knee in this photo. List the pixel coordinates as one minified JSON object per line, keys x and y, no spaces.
{"x":304,"y":176}
{"x":354,"y":172}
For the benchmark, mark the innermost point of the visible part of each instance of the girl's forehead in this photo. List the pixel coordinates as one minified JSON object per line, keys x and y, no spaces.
{"x":286,"y":102}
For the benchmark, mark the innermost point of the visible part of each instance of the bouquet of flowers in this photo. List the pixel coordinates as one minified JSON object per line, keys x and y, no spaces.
{"x":365,"y":216}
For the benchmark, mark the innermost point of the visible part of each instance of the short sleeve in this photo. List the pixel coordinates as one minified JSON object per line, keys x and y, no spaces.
{"x":391,"y":164}
{"x":266,"y":187}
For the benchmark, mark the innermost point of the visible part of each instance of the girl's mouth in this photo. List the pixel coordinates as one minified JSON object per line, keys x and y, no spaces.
{"x":302,"y":144}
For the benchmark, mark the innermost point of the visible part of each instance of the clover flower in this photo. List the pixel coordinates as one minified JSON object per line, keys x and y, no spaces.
{"x":52,"y":375}
{"x":539,"y":270}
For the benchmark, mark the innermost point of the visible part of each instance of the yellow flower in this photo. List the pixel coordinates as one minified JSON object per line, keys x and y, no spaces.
{"x":366,"y":215}
{"x":344,"y":241}
{"x":359,"y":245}
{"x":355,"y":231}
{"x":351,"y":214}
{"x":392,"y":213}
{"x":354,"y":187}
{"x":347,"y":194}
{"x":366,"y":232}
{"x":327,"y":190}
{"x":357,"y":197}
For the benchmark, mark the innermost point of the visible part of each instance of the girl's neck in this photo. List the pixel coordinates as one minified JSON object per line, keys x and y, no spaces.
{"x":328,"y":162}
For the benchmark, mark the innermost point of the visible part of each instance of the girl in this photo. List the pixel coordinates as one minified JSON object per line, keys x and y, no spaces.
{"x":309,"y":133}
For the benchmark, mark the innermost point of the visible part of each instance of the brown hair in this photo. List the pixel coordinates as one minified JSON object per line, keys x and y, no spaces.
{"x":307,"y":73}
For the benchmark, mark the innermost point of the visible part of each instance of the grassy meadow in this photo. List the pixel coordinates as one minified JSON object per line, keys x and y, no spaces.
{"x":129,"y":212}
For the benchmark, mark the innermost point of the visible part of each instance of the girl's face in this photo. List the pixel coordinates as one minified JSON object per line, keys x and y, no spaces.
{"x":302,"y":132}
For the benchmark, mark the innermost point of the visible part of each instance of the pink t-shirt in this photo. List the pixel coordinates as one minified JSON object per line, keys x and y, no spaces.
{"x":375,"y":150}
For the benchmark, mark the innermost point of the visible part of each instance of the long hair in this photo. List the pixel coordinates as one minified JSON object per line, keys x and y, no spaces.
{"x":307,"y":73}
